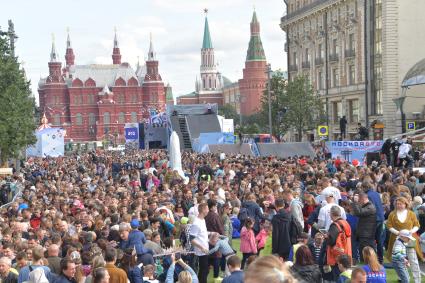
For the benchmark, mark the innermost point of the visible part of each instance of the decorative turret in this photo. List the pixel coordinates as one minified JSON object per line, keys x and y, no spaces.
{"x":69,"y":55}
{"x":255,"y":48}
{"x":152,"y":73}
{"x":210,"y":80}
{"x":55,"y":74}
{"x":252,"y":86}
{"x":151,"y":54}
{"x":116,"y":55}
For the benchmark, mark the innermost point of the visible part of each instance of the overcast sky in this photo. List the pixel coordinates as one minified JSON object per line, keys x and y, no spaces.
{"x":177,"y":28}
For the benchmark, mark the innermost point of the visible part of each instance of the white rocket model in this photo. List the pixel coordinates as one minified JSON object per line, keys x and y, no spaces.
{"x":175,"y":156}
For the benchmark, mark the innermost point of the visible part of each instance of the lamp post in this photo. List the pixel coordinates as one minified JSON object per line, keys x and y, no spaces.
{"x":269,"y":71}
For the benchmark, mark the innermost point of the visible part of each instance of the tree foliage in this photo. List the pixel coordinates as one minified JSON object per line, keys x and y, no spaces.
{"x":294,"y":106}
{"x":17,"y":106}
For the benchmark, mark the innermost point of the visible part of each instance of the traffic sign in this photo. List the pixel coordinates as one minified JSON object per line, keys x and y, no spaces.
{"x":411,"y":126}
{"x":323,"y":130}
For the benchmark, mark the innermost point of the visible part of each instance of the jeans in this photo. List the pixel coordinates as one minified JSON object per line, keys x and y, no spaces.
{"x":401,"y":269}
{"x":203,"y":268}
{"x":414,"y":265}
{"x":245,"y":256}
{"x":380,"y":236}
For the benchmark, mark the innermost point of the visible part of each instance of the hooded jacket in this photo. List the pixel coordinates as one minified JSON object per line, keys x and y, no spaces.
{"x":281,"y":237}
{"x":296,"y":208}
{"x":254,"y":212}
{"x":307,"y":273}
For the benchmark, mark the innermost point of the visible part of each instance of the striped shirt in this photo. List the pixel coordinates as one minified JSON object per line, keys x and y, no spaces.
{"x":399,"y":250}
{"x":223,"y":247}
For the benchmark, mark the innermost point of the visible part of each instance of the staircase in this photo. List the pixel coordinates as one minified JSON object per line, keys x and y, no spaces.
{"x":187,"y":144}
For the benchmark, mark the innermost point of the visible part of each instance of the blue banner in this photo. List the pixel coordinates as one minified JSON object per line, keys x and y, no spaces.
{"x":131,"y":134}
{"x":353,"y":150}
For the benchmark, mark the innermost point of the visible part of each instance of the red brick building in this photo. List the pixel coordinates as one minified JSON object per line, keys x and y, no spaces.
{"x":247,"y":91}
{"x":93,"y":102}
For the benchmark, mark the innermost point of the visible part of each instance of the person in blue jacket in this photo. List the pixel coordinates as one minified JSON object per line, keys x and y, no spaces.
{"x":133,"y":238}
{"x":185,"y":276}
{"x":375,"y":198}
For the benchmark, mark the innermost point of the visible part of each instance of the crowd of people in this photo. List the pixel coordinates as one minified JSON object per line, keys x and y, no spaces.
{"x":105,"y":217}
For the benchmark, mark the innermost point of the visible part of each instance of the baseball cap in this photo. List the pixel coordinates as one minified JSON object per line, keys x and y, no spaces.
{"x":134,"y":223}
{"x":406,"y":234}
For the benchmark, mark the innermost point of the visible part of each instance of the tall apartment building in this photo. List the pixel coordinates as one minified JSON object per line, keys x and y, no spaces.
{"x":356,"y":54}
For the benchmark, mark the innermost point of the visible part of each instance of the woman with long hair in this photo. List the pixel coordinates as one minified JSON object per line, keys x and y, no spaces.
{"x":97,"y":262}
{"x":375,"y":272}
{"x":305,"y":268}
{"x":402,"y":218}
{"x":129,"y":265}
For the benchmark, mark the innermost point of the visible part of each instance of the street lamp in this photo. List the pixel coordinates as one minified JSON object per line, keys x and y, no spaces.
{"x":269,"y":71}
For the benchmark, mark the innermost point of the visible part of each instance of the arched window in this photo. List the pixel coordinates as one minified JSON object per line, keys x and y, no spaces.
{"x":106,"y":121}
{"x":209,"y":84}
{"x":121,"y":118}
{"x":56,"y":120}
{"x":92,"y":119}
{"x":203,"y":83}
{"x":133,"y":117}
{"x":79,"y":119}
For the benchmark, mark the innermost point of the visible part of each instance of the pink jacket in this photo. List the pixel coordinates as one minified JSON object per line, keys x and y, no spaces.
{"x":261,"y":238}
{"x":248,"y":242}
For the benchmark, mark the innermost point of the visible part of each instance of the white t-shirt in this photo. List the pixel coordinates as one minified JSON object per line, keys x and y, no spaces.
{"x":198,"y":230}
{"x":403,"y":150}
{"x":325,"y":215}
{"x":334,"y":191}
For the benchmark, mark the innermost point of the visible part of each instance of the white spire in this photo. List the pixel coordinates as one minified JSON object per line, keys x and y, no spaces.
{"x":151,"y":54}
{"x":53,"y":54}
{"x":115,"y":38}
{"x":68,"y":39}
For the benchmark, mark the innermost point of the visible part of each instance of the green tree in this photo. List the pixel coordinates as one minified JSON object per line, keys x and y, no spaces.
{"x":229,"y":112}
{"x":294,"y":105}
{"x":17,"y":106}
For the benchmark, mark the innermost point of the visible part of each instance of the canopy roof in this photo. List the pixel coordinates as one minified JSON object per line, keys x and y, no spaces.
{"x":416,"y":75}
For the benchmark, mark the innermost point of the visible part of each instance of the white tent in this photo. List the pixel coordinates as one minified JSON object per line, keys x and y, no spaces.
{"x":50,"y":142}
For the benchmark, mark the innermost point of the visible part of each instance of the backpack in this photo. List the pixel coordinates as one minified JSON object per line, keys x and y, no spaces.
{"x":295,"y":230}
{"x":37,"y":275}
{"x":185,"y":238}
{"x":342,"y":244}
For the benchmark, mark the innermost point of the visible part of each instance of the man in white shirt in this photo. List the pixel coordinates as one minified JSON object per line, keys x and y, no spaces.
{"x":199,"y":239}
{"x":324,"y":219}
{"x":403,"y":154}
{"x":329,"y":189}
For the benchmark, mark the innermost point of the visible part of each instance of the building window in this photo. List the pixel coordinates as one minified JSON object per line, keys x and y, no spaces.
{"x":56,"y":120}
{"x":320,"y":84}
{"x":335,"y":77}
{"x":121,"y":98}
{"x":92,"y":119}
{"x":121,"y":118}
{"x":79,"y":119}
{"x":335,"y":46}
{"x":91,"y":98}
{"x":134,"y":98}
{"x":203,"y":84}
{"x":307,"y":56}
{"x":209,"y":83}
{"x":351,"y":43}
{"x":337,"y":111}
{"x":320,"y":51}
{"x":351,"y":74}
{"x":294,"y":58}
{"x":106,"y":121}
{"x":353,"y":106}
{"x":133,"y":117}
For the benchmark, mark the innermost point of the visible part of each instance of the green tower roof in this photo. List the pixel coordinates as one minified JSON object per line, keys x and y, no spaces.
{"x":207,"y":43}
{"x":169,"y":93}
{"x":255,"y":49}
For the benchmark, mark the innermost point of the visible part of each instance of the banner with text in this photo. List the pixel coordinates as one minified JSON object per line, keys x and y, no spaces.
{"x":351,"y":150}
